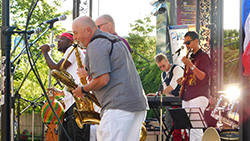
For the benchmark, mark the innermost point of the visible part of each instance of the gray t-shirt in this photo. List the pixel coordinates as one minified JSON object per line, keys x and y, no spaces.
{"x":124,"y":90}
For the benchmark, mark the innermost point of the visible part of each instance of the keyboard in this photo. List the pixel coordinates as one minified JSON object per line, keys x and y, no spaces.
{"x":166,"y":101}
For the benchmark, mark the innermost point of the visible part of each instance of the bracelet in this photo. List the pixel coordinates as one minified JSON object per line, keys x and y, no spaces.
{"x":192,"y":68}
{"x":83,"y":90}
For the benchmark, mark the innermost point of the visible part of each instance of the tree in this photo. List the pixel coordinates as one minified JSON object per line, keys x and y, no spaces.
{"x":43,"y":11}
{"x":142,"y":43}
{"x":231,"y":56}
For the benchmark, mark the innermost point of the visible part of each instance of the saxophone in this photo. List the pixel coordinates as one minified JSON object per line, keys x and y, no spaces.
{"x":84,"y":114}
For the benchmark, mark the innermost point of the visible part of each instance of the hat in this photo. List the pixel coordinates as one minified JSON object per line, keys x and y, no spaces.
{"x":67,"y":35}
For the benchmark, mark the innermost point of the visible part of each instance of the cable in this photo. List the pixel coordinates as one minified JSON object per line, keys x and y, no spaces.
{"x":30,"y":58}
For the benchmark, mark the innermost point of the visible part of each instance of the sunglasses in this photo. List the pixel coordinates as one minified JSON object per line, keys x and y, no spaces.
{"x":187,"y":42}
{"x":99,"y":26}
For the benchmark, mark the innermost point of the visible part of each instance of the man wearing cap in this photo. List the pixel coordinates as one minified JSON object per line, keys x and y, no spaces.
{"x":64,"y":43}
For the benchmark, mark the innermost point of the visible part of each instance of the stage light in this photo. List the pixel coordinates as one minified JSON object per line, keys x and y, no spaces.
{"x":160,"y":9}
{"x":232,"y":92}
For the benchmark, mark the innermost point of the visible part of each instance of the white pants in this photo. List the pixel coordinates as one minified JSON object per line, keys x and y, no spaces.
{"x":119,"y":125}
{"x":93,"y":128}
{"x":93,"y":132}
{"x":199,"y":102}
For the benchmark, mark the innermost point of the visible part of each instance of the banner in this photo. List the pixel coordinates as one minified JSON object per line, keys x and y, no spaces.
{"x":176,"y":34}
{"x":186,"y":12}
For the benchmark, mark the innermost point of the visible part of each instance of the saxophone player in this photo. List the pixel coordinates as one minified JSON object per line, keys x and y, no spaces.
{"x":115,"y":81}
{"x":64,"y":45}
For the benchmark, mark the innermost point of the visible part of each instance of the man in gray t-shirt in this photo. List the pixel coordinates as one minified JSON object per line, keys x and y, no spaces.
{"x":115,"y":81}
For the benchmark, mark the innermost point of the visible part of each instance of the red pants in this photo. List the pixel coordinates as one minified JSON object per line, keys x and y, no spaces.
{"x":177,"y":136}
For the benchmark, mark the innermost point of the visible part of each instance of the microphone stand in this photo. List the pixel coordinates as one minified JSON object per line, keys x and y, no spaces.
{"x":47,"y":98}
{"x":24,"y":49}
{"x":160,"y":90}
{"x":141,"y":56}
{"x":161,"y":106}
{"x":161,"y":118}
{"x":34,"y":105}
{"x":18,"y":96}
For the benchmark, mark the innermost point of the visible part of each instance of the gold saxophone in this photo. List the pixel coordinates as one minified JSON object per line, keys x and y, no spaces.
{"x":84,"y":114}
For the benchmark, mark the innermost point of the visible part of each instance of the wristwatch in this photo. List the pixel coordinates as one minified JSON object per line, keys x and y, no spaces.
{"x":83,"y":91}
{"x":192,"y":68}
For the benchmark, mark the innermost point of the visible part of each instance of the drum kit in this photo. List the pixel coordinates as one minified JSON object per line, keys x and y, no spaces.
{"x":226,"y":112}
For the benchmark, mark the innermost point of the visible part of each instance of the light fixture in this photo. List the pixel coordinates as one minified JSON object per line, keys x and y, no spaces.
{"x":160,"y":9}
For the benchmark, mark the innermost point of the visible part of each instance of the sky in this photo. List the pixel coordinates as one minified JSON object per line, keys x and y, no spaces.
{"x":125,"y":12}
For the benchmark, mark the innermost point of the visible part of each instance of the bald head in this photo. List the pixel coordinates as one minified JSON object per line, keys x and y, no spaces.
{"x":85,"y":21}
{"x":83,"y":29}
{"x":106,"y":23}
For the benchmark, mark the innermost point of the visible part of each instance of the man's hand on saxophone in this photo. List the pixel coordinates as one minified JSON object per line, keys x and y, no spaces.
{"x":78,"y":92}
{"x":82,"y":72}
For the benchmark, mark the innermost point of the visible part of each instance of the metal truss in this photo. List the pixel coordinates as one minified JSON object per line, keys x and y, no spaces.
{"x":81,"y":7}
{"x":209,"y":26}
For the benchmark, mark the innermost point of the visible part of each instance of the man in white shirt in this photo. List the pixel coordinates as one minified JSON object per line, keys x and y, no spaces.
{"x":65,"y":42}
{"x":169,"y":76}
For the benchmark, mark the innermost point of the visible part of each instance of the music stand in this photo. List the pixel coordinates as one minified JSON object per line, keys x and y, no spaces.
{"x":186,"y":119}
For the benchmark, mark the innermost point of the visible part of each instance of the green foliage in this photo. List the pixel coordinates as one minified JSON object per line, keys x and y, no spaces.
{"x":142,"y":43}
{"x":231,"y":56}
{"x":139,"y":40}
{"x":230,"y":33}
{"x":231,"y":39}
{"x":31,"y":89}
{"x":44,"y":10}
{"x":231,"y":65}
{"x":151,"y":78}
{"x":145,"y":45}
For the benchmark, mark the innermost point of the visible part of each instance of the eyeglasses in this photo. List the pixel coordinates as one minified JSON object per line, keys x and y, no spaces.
{"x":99,"y":26}
{"x":187,"y":42}
{"x":162,"y":66}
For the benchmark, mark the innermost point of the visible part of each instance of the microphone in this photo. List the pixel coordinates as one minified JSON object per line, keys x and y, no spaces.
{"x":51,"y":21}
{"x":178,"y":51}
{"x":159,"y":90}
{"x":50,"y":45}
{"x":35,"y":31}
